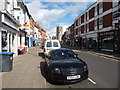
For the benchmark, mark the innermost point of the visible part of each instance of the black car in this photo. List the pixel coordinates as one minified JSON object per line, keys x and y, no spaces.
{"x":64,"y":66}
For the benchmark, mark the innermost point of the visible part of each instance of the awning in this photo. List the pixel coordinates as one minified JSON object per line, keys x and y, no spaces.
{"x":34,"y":39}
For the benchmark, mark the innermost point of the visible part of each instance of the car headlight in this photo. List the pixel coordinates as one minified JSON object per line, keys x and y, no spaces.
{"x":85,"y":68}
{"x":56,"y":71}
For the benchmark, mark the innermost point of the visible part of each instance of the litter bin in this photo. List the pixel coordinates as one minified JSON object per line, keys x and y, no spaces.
{"x":6,"y":61}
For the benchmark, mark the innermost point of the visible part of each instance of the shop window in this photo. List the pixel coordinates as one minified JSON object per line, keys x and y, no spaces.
{"x":4,"y":41}
{"x":108,"y":43}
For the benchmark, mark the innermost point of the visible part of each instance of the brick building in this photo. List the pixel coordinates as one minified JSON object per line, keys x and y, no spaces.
{"x":97,"y":27}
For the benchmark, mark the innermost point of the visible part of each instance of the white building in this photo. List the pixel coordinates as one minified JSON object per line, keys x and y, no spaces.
{"x":9,"y":32}
{"x":13,"y":15}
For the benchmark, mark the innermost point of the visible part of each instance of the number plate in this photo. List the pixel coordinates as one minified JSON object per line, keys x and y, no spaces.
{"x":49,"y":49}
{"x":73,"y":77}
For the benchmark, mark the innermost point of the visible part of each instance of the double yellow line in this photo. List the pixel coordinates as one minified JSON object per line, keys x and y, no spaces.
{"x":107,"y":57}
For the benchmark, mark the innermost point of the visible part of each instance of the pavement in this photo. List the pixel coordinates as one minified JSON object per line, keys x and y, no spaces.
{"x":26,"y":71}
{"x":97,"y":52}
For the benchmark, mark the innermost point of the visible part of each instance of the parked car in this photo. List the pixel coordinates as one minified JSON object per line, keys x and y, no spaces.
{"x":64,"y":66}
{"x":50,"y":45}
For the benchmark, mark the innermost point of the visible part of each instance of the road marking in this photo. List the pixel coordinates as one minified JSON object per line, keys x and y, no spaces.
{"x":91,"y":81}
{"x":113,"y":59}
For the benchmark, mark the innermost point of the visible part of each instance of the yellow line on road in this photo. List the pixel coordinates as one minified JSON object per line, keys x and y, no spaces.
{"x":100,"y":56}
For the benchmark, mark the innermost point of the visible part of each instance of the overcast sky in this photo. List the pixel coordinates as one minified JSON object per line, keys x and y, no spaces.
{"x":50,"y":13}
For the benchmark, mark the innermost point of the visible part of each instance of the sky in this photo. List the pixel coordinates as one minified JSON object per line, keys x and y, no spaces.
{"x":51,"y":13}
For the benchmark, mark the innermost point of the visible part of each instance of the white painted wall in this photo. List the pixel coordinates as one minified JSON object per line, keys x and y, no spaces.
{"x":2,"y":4}
{"x":23,"y":40}
{"x":16,"y":45}
{"x":18,"y":40}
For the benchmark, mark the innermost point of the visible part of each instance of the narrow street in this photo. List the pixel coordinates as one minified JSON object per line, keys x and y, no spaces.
{"x":28,"y":72}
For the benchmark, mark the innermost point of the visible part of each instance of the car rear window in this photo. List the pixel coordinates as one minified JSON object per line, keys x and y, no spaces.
{"x":62,"y":54}
{"x":49,"y":44}
{"x":55,"y":44}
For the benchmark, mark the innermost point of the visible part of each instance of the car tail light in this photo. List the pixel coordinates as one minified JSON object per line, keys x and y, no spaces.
{"x":44,"y":50}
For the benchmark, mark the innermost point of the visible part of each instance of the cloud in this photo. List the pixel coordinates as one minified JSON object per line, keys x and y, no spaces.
{"x":44,"y":16}
{"x":64,"y":0}
{"x":52,"y":32}
{"x":46,"y":13}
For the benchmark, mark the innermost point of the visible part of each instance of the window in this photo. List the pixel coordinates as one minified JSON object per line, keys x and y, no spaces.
{"x":7,"y":5}
{"x":62,"y":54}
{"x":4,"y":40}
{"x":18,"y":3}
{"x":87,"y":27}
{"x":18,"y":18}
{"x":95,"y":23}
{"x":79,"y":21}
{"x":100,"y":21}
{"x":87,"y":15}
{"x":55,"y":44}
{"x":115,"y":3}
{"x":115,"y":15}
{"x":84,"y":17}
{"x":95,"y":10}
{"x":100,"y":7}
{"x":49,"y":44}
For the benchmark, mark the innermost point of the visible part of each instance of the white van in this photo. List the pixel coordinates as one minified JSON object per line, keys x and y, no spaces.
{"x":50,"y":45}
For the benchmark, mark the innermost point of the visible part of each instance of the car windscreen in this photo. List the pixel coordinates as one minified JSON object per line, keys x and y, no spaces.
{"x":49,"y":44}
{"x":62,"y":54}
{"x":55,"y":44}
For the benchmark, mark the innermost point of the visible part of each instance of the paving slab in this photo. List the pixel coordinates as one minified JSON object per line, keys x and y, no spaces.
{"x":26,"y":71}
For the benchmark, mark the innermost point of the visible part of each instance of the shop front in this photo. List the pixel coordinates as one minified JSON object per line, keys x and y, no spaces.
{"x":90,"y":41}
{"x":108,"y":41}
{"x":9,"y":29}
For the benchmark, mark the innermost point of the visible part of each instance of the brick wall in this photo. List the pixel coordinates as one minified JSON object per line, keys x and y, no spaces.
{"x":107,"y":6}
{"x":107,"y":20}
{"x":82,"y":18}
{"x":76,"y":22}
{"x":82,"y":29}
{"x":91,"y":26}
{"x":91,"y":13}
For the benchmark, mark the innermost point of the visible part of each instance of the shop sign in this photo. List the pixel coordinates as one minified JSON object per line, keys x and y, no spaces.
{"x":10,"y":23}
{"x":26,"y":25}
{"x":107,"y":34}
{"x":92,"y":35}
